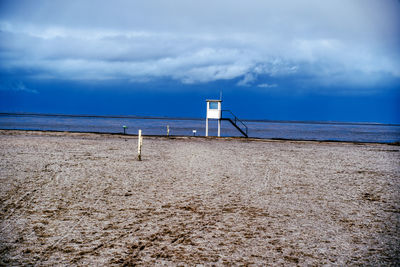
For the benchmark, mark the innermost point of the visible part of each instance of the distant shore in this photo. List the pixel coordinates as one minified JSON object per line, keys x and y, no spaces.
{"x":84,"y":199}
{"x":191,"y":118}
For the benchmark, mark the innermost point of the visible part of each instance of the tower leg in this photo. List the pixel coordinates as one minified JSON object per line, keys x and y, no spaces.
{"x":206,"y":127}
{"x":219,"y":128}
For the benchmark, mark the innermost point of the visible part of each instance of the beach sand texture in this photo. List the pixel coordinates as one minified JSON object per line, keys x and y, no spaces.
{"x":84,"y":199}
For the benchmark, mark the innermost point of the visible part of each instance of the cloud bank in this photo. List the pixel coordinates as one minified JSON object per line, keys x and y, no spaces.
{"x":352,"y":42}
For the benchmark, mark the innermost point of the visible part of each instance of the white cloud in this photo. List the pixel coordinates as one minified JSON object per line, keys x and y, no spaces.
{"x":247,"y":80}
{"x":201,"y":41}
{"x":266,"y":85}
{"x":16,"y":86}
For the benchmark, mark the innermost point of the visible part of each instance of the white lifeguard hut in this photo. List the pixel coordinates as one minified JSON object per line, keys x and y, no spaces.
{"x":214,"y":112}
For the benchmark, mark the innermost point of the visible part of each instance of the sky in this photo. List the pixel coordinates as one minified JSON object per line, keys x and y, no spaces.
{"x":331,"y":60}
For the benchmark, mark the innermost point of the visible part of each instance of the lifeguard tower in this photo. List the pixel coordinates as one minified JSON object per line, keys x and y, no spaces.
{"x":214,"y":111}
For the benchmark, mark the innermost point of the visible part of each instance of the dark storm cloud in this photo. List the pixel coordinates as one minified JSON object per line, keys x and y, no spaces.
{"x":336,"y":41}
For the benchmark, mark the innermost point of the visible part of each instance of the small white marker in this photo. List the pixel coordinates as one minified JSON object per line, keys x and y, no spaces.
{"x":140,"y":142}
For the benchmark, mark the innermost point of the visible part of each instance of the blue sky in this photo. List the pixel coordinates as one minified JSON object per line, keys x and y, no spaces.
{"x":282,"y":60}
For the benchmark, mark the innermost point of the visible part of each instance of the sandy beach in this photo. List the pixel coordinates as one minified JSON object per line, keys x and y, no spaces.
{"x":84,"y":199}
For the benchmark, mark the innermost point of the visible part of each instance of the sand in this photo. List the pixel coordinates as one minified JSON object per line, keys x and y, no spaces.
{"x":84,"y":199}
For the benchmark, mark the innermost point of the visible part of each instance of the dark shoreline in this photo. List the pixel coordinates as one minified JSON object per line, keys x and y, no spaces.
{"x":121,"y":135}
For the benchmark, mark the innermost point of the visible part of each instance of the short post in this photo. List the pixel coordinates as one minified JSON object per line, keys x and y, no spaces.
{"x":140,"y":142}
{"x":124,"y":129}
{"x":219,"y":128}
{"x":207,"y":127}
{"x":167,"y":130}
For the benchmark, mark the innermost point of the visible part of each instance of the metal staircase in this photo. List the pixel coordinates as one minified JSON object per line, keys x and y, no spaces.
{"x":229,"y":116}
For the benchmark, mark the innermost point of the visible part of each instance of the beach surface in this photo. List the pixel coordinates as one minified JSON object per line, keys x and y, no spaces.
{"x":84,"y":199}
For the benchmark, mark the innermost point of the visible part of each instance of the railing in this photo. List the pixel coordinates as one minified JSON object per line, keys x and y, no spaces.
{"x":235,"y":120}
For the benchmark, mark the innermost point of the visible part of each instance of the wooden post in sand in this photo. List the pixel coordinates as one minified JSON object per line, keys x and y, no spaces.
{"x":167,"y":130}
{"x":139,"y":148}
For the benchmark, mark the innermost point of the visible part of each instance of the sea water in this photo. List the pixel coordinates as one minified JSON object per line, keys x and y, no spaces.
{"x":354,"y":132}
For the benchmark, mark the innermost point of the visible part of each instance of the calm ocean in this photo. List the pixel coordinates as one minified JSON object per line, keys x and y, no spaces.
{"x":356,"y":132}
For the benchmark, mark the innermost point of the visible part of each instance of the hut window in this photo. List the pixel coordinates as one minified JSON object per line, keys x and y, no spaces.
{"x":213,"y":105}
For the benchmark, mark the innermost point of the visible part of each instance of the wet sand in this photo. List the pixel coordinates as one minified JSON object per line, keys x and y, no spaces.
{"x":84,"y":199}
